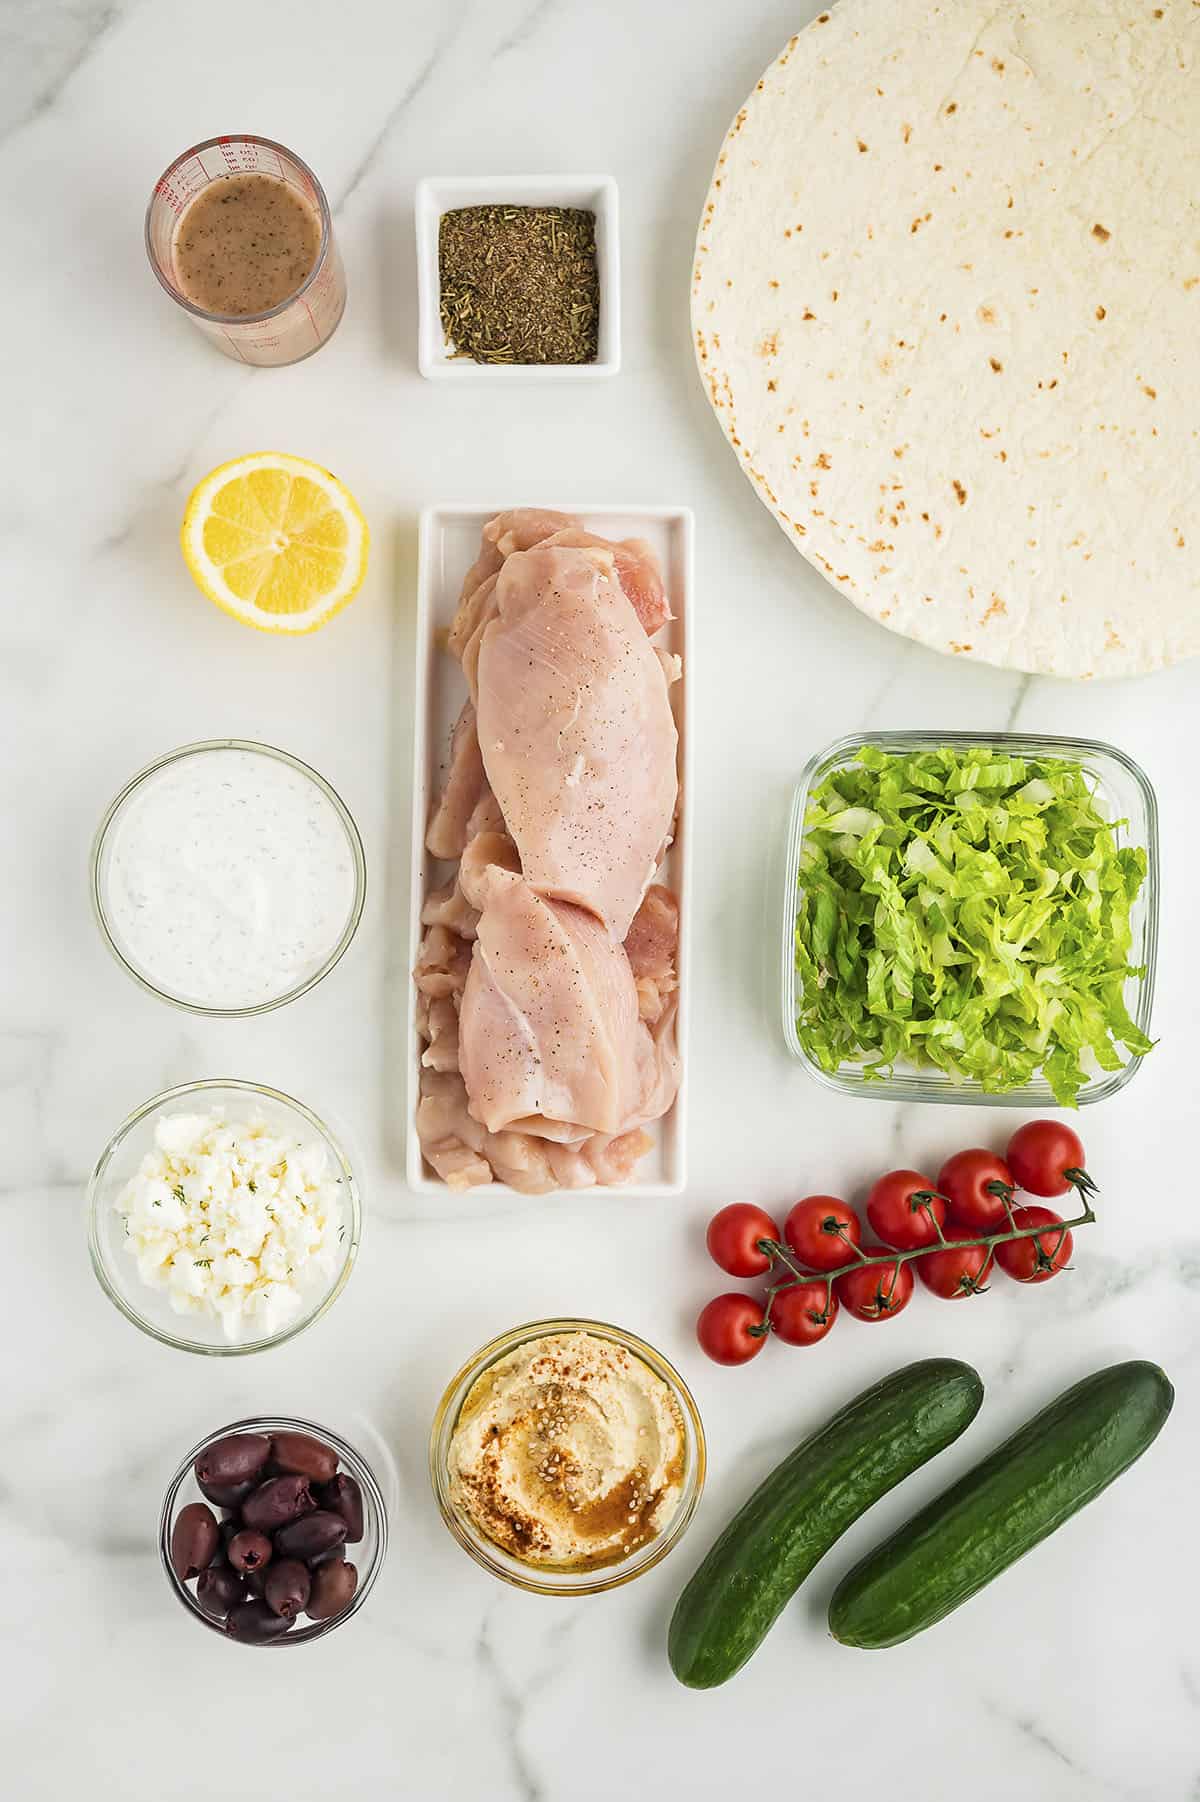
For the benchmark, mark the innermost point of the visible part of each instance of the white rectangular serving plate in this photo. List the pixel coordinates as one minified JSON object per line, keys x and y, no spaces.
{"x":449,"y":544}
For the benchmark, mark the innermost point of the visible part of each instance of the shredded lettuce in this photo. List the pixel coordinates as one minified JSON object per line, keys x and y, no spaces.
{"x":966,"y":910}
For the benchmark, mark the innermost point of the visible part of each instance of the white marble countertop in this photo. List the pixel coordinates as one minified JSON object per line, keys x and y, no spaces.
{"x":1076,"y":1677}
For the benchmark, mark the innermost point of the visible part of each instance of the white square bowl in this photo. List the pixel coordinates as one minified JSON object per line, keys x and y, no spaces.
{"x":441,"y":194}
{"x":449,"y":544}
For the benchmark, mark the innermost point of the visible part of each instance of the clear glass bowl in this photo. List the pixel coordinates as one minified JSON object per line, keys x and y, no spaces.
{"x":1125,"y":793}
{"x":540,"y":1579}
{"x":117,"y":1271}
{"x":102,"y":847}
{"x":367,"y":1556}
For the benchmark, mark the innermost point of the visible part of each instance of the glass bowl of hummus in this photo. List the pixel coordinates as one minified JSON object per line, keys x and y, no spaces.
{"x":567,"y":1457}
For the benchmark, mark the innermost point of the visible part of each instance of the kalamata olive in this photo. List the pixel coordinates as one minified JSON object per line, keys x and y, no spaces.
{"x":310,"y":1537}
{"x":286,"y":1587}
{"x":218,"y":1589}
{"x":256,"y":1583}
{"x":333,"y":1585}
{"x":343,"y":1496}
{"x":306,"y":1456}
{"x":249,"y":1550}
{"x":276,"y":1502}
{"x":225,"y":1495}
{"x":255,"y":1623}
{"x":194,"y":1539}
{"x":237,"y":1458}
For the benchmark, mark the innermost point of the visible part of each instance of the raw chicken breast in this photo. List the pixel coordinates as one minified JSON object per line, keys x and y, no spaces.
{"x":652,"y":947}
{"x":465,"y":788}
{"x":549,"y":1021}
{"x":579,"y":742}
{"x":520,"y":529}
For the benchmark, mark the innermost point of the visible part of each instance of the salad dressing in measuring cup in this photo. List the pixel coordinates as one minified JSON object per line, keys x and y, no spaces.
{"x":239,"y":233}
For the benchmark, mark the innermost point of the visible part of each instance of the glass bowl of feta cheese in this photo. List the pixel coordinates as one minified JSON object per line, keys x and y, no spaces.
{"x":223,"y":1217}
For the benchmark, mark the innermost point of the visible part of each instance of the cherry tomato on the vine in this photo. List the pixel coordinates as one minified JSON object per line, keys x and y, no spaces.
{"x":724,"y":1329}
{"x":821,"y":1230}
{"x":733,"y":1237}
{"x":875,"y":1291}
{"x":1046,"y":1158}
{"x":903,"y":1208}
{"x":801,"y":1315}
{"x":977,"y":1184}
{"x":1042,"y":1255}
{"x":958,"y":1270}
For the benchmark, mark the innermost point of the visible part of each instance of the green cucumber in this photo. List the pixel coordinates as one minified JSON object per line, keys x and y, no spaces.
{"x":1050,"y":1468}
{"x":806,"y":1504}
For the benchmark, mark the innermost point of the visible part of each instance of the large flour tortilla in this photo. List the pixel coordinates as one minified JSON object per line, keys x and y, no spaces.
{"x":947,"y":307}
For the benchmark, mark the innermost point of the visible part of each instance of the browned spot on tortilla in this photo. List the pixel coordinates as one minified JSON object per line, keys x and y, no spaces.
{"x":959,"y":648}
{"x":1003,"y":456}
{"x":937,"y":168}
{"x":861,"y":146}
{"x":898,"y":450}
{"x":797,"y":527}
{"x":918,"y":223}
{"x":927,"y":600}
{"x":960,"y":493}
{"x":1179,"y":539}
{"x":772,"y":385}
{"x":834,"y":295}
{"x":822,"y":19}
{"x":879,"y":547}
{"x":1102,"y":232}
{"x":995,"y":608}
{"x":996,"y":364}
{"x":772,"y":284}
{"x":770,"y":345}
{"x":953,"y":107}
{"x":1190,"y":282}
{"x":906,"y":132}
{"x":987,"y":315}
{"x":808,"y":313}
{"x":1101,"y":312}
{"x":997,"y":65}
{"x":937,"y":531}
{"x":822,"y":460}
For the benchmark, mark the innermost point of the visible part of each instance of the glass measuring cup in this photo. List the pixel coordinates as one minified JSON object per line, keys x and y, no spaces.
{"x":302,"y":322}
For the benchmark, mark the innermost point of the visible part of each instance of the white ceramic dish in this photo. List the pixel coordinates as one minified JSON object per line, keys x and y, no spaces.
{"x":449,"y":543}
{"x":439,"y":194}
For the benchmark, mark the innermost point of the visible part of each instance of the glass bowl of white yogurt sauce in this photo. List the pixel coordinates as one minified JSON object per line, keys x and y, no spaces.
{"x":227,"y":877}
{"x":224,"y":1217}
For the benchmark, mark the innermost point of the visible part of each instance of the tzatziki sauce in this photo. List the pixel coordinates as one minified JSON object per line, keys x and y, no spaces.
{"x":227,"y":877}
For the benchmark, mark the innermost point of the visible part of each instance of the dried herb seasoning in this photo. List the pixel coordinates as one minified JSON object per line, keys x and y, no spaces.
{"x":520,"y":284}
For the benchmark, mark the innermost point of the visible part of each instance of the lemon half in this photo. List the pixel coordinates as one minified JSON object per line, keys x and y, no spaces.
{"x":275,"y":540}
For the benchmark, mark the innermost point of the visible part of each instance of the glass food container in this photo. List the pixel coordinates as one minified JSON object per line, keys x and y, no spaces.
{"x":323,"y":802}
{"x":367,"y":1555}
{"x":117,"y":1271}
{"x":542,"y":1579}
{"x":1125,"y":794}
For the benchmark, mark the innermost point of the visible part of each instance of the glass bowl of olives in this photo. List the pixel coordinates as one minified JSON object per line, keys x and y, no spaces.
{"x":273,"y":1531}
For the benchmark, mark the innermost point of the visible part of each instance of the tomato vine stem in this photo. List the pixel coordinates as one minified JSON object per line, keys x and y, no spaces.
{"x":802,"y":1273}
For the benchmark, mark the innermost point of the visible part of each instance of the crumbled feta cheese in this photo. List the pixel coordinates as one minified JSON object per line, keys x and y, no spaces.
{"x":232,"y":1221}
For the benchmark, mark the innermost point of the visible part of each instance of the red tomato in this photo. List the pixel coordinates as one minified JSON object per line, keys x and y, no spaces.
{"x":903,"y":1207}
{"x":1046,"y":1158}
{"x":977,"y":1184}
{"x":726,"y":1326}
{"x":820,"y":1230}
{"x":875,"y":1291}
{"x":1041,"y":1256}
{"x":733,"y":1237}
{"x":800,"y":1314}
{"x":959,"y":1270}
